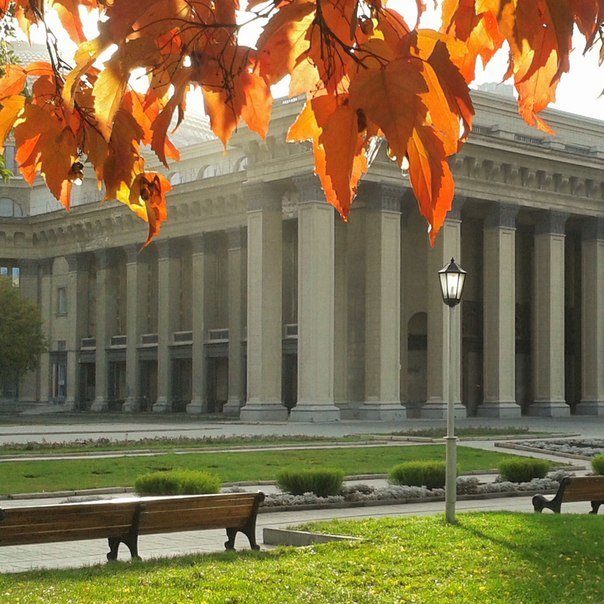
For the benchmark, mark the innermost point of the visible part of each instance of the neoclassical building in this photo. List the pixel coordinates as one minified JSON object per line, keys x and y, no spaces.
{"x":257,"y":301}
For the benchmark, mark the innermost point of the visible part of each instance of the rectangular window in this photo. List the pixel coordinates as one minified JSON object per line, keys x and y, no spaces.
{"x":61,"y":301}
{"x":59,"y":380}
{"x":16,"y":276}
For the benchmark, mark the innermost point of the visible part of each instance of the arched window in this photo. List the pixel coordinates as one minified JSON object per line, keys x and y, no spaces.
{"x":175,"y":178}
{"x":10,"y":208}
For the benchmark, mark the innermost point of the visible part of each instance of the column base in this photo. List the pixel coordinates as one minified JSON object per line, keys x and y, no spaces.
{"x":69,"y":405}
{"x":439,"y":411}
{"x":263,"y":412}
{"x":162,"y":405}
{"x":99,"y":405}
{"x":197,"y":406}
{"x":314,"y":413}
{"x":549,"y":409}
{"x":232,"y":408}
{"x":499,"y":409}
{"x":590,"y":408}
{"x":131,"y":405}
{"x":382,"y":412}
{"x":348,"y":409}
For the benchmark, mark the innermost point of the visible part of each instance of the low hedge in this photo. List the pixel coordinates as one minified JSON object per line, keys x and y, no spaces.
{"x":523,"y":469}
{"x":177,"y":482}
{"x":322,"y":482}
{"x":429,"y":474}
{"x":597,"y":464}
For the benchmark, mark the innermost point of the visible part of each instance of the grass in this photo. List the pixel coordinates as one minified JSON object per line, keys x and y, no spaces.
{"x":163,"y":443}
{"x":30,"y":476}
{"x":488,"y":557}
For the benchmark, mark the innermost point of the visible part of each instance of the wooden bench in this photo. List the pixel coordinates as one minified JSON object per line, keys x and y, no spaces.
{"x":123,"y":520}
{"x":576,"y":488}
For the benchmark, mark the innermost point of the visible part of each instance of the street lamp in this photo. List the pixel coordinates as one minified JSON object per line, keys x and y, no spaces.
{"x":452,"y":278}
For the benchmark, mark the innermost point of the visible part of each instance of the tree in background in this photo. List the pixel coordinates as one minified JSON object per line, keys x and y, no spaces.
{"x":21,"y":337}
{"x":367,"y":73}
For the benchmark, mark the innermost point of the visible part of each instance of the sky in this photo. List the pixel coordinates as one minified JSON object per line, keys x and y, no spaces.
{"x":578,"y":92}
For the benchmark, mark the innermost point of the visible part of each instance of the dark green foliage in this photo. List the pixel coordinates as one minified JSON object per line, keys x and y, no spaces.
{"x":523,"y":469}
{"x":429,"y":474}
{"x":177,"y":482}
{"x":597,"y":463}
{"x":322,"y":482}
{"x":21,"y":337}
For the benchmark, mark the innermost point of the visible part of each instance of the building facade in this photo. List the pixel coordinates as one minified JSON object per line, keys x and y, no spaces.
{"x":257,"y":301}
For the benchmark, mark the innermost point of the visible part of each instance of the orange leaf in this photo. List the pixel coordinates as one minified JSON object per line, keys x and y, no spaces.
{"x":430,"y":177}
{"x":12,"y":82}
{"x":390,"y":97}
{"x":283,"y":41}
{"x":10,"y":109}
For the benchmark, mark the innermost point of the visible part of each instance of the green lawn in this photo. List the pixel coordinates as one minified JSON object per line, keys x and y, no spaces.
{"x":487,"y":558}
{"x":54,"y":475}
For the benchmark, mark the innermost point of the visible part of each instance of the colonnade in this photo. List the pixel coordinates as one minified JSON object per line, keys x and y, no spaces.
{"x":352,"y":313}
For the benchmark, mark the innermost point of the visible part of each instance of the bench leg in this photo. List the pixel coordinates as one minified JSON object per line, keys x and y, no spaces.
{"x":595,"y":506}
{"x":131,"y":543}
{"x":249,"y":531}
{"x":230,"y":543}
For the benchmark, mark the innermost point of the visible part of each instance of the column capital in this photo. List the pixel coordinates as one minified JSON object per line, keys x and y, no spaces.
{"x":199,"y":243}
{"x":132,"y":253}
{"x":381,"y":196}
{"x":593,"y":229}
{"x":501,"y":215}
{"x":551,"y":223}
{"x":309,"y":188}
{"x":237,"y":238}
{"x":262,"y":196}
{"x":27,"y":264}
{"x":102,"y":259}
{"x":167,"y":248}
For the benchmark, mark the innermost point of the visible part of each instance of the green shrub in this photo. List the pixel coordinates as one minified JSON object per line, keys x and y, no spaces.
{"x":429,"y":474}
{"x":597,"y":463}
{"x":523,"y":469}
{"x":177,"y":482}
{"x":322,"y":482}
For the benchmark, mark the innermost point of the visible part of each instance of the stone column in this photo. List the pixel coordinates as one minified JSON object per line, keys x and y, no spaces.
{"x":383,"y":305}
{"x":199,"y":403}
{"x":592,"y":319}
{"x":315,"y":305}
{"x":499,"y":323}
{"x":29,"y":288}
{"x":45,"y":276}
{"x":264,"y":299}
{"x":341,"y":394}
{"x":102,"y":331}
{"x":442,"y":366}
{"x":236,"y":239}
{"x":548,"y":317}
{"x":76,"y":294}
{"x":166,"y":308}
{"x":134,"y":287}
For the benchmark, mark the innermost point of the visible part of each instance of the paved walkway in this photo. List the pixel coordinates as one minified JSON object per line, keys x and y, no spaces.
{"x":76,"y":554}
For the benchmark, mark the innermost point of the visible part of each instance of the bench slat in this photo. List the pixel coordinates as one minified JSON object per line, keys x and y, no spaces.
{"x":123,"y":519}
{"x":584,"y":488}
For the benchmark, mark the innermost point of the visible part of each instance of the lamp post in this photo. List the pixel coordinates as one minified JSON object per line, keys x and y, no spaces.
{"x":452,"y":278}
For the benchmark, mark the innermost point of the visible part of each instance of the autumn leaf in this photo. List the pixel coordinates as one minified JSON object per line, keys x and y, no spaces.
{"x":10,"y":108}
{"x":12,"y":82}
{"x":430,"y":177}
{"x":390,"y":97}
